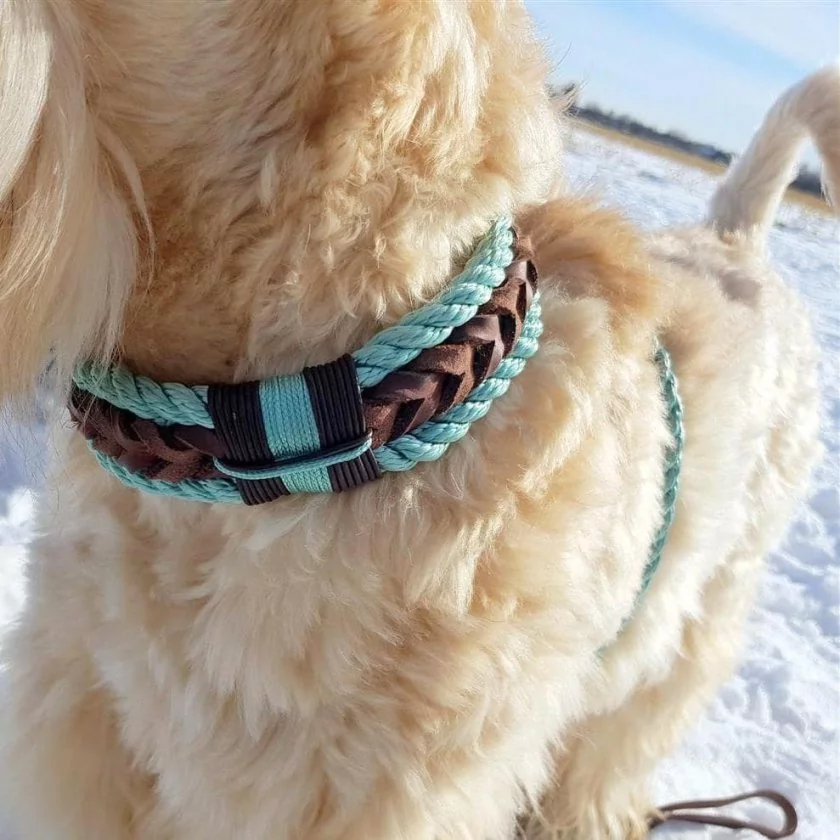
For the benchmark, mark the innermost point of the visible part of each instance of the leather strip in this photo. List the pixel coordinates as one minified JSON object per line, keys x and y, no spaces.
{"x":436,"y":380}
{"x":168,"y":453}
{"x":687,"y":812}
{"x":442,"y":376}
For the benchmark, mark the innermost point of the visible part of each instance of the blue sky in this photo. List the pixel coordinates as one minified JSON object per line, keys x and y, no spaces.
{"x":708,"y":68}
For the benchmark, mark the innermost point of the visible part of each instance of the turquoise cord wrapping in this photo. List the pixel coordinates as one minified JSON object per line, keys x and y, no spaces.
{"x":290,"y":428}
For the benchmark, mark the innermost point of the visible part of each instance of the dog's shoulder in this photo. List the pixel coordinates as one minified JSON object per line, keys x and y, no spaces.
{"x":588,"y":251}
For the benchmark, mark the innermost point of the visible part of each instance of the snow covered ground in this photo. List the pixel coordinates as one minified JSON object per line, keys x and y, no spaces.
{"x":776,"y":723}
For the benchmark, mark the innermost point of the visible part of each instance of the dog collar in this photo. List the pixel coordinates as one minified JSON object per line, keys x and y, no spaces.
{"x":401,"y":399}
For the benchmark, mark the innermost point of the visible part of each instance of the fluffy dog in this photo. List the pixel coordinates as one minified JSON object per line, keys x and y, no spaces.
{"x":225,"y":189}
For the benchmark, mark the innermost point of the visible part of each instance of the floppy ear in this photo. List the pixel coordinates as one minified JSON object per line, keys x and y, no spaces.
{"x":68,"y":198}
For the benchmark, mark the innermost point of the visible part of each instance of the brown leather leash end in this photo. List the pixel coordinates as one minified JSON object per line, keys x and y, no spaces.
{"x":687,"y":812}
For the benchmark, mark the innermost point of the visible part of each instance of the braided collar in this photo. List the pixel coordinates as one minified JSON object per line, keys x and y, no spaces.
{"x":403,"y":398}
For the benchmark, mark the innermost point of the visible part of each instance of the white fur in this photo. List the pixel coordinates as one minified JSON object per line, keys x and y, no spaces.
{"x":749,"y":195}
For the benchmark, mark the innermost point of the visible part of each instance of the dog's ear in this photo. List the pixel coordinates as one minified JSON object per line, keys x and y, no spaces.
{"x":68,"y":203}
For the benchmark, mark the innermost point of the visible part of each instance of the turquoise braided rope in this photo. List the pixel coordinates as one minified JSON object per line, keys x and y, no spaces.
{"x":199,"y":490}
{"x":166,"y":403}
{"x":434,"y":437}
{"x":673,"y":465}
{"x":430,"y":325}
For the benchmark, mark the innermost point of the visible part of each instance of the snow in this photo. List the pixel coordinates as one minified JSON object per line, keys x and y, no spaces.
{"x":775,"y":724}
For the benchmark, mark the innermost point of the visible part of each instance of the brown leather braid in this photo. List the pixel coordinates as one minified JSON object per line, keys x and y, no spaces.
{"x":443,"y":376}
{"x":168,"y":453}
{"x":436,"y":380}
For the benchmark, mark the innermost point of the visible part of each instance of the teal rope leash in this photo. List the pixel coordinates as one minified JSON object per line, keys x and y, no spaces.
{"x":673,"y":463}
{"x":672,"y":472}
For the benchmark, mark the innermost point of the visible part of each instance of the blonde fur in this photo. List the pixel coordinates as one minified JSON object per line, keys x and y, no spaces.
{"x":417,"y":659}
{"x":67,"y":239}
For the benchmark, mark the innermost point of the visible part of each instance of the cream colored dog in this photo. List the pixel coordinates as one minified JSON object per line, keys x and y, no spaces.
{"x":222,"y":189}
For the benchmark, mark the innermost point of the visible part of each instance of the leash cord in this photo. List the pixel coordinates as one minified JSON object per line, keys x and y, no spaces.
{"x":686,"y":812}
{"x":673,"y":463}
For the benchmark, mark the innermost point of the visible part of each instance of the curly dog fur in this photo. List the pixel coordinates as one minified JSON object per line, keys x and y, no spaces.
{"x":222,"y":189}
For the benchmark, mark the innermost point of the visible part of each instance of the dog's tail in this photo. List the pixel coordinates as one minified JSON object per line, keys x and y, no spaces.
{"x":747,"y":199}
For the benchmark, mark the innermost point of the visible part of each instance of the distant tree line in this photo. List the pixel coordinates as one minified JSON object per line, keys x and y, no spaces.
{"x":807,"y":180}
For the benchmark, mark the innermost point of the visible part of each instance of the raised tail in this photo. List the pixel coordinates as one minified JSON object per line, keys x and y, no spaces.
{"x":749,"y":195}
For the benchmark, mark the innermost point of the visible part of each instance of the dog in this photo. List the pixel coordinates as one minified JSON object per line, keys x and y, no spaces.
{"x":213,"y":191}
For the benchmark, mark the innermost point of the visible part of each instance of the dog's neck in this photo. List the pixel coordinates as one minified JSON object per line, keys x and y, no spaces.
{"x":227,"y":304}
{"x":298,"y":199}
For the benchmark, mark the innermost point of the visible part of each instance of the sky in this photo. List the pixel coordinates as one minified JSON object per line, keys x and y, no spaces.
{"x":707,"y":68}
